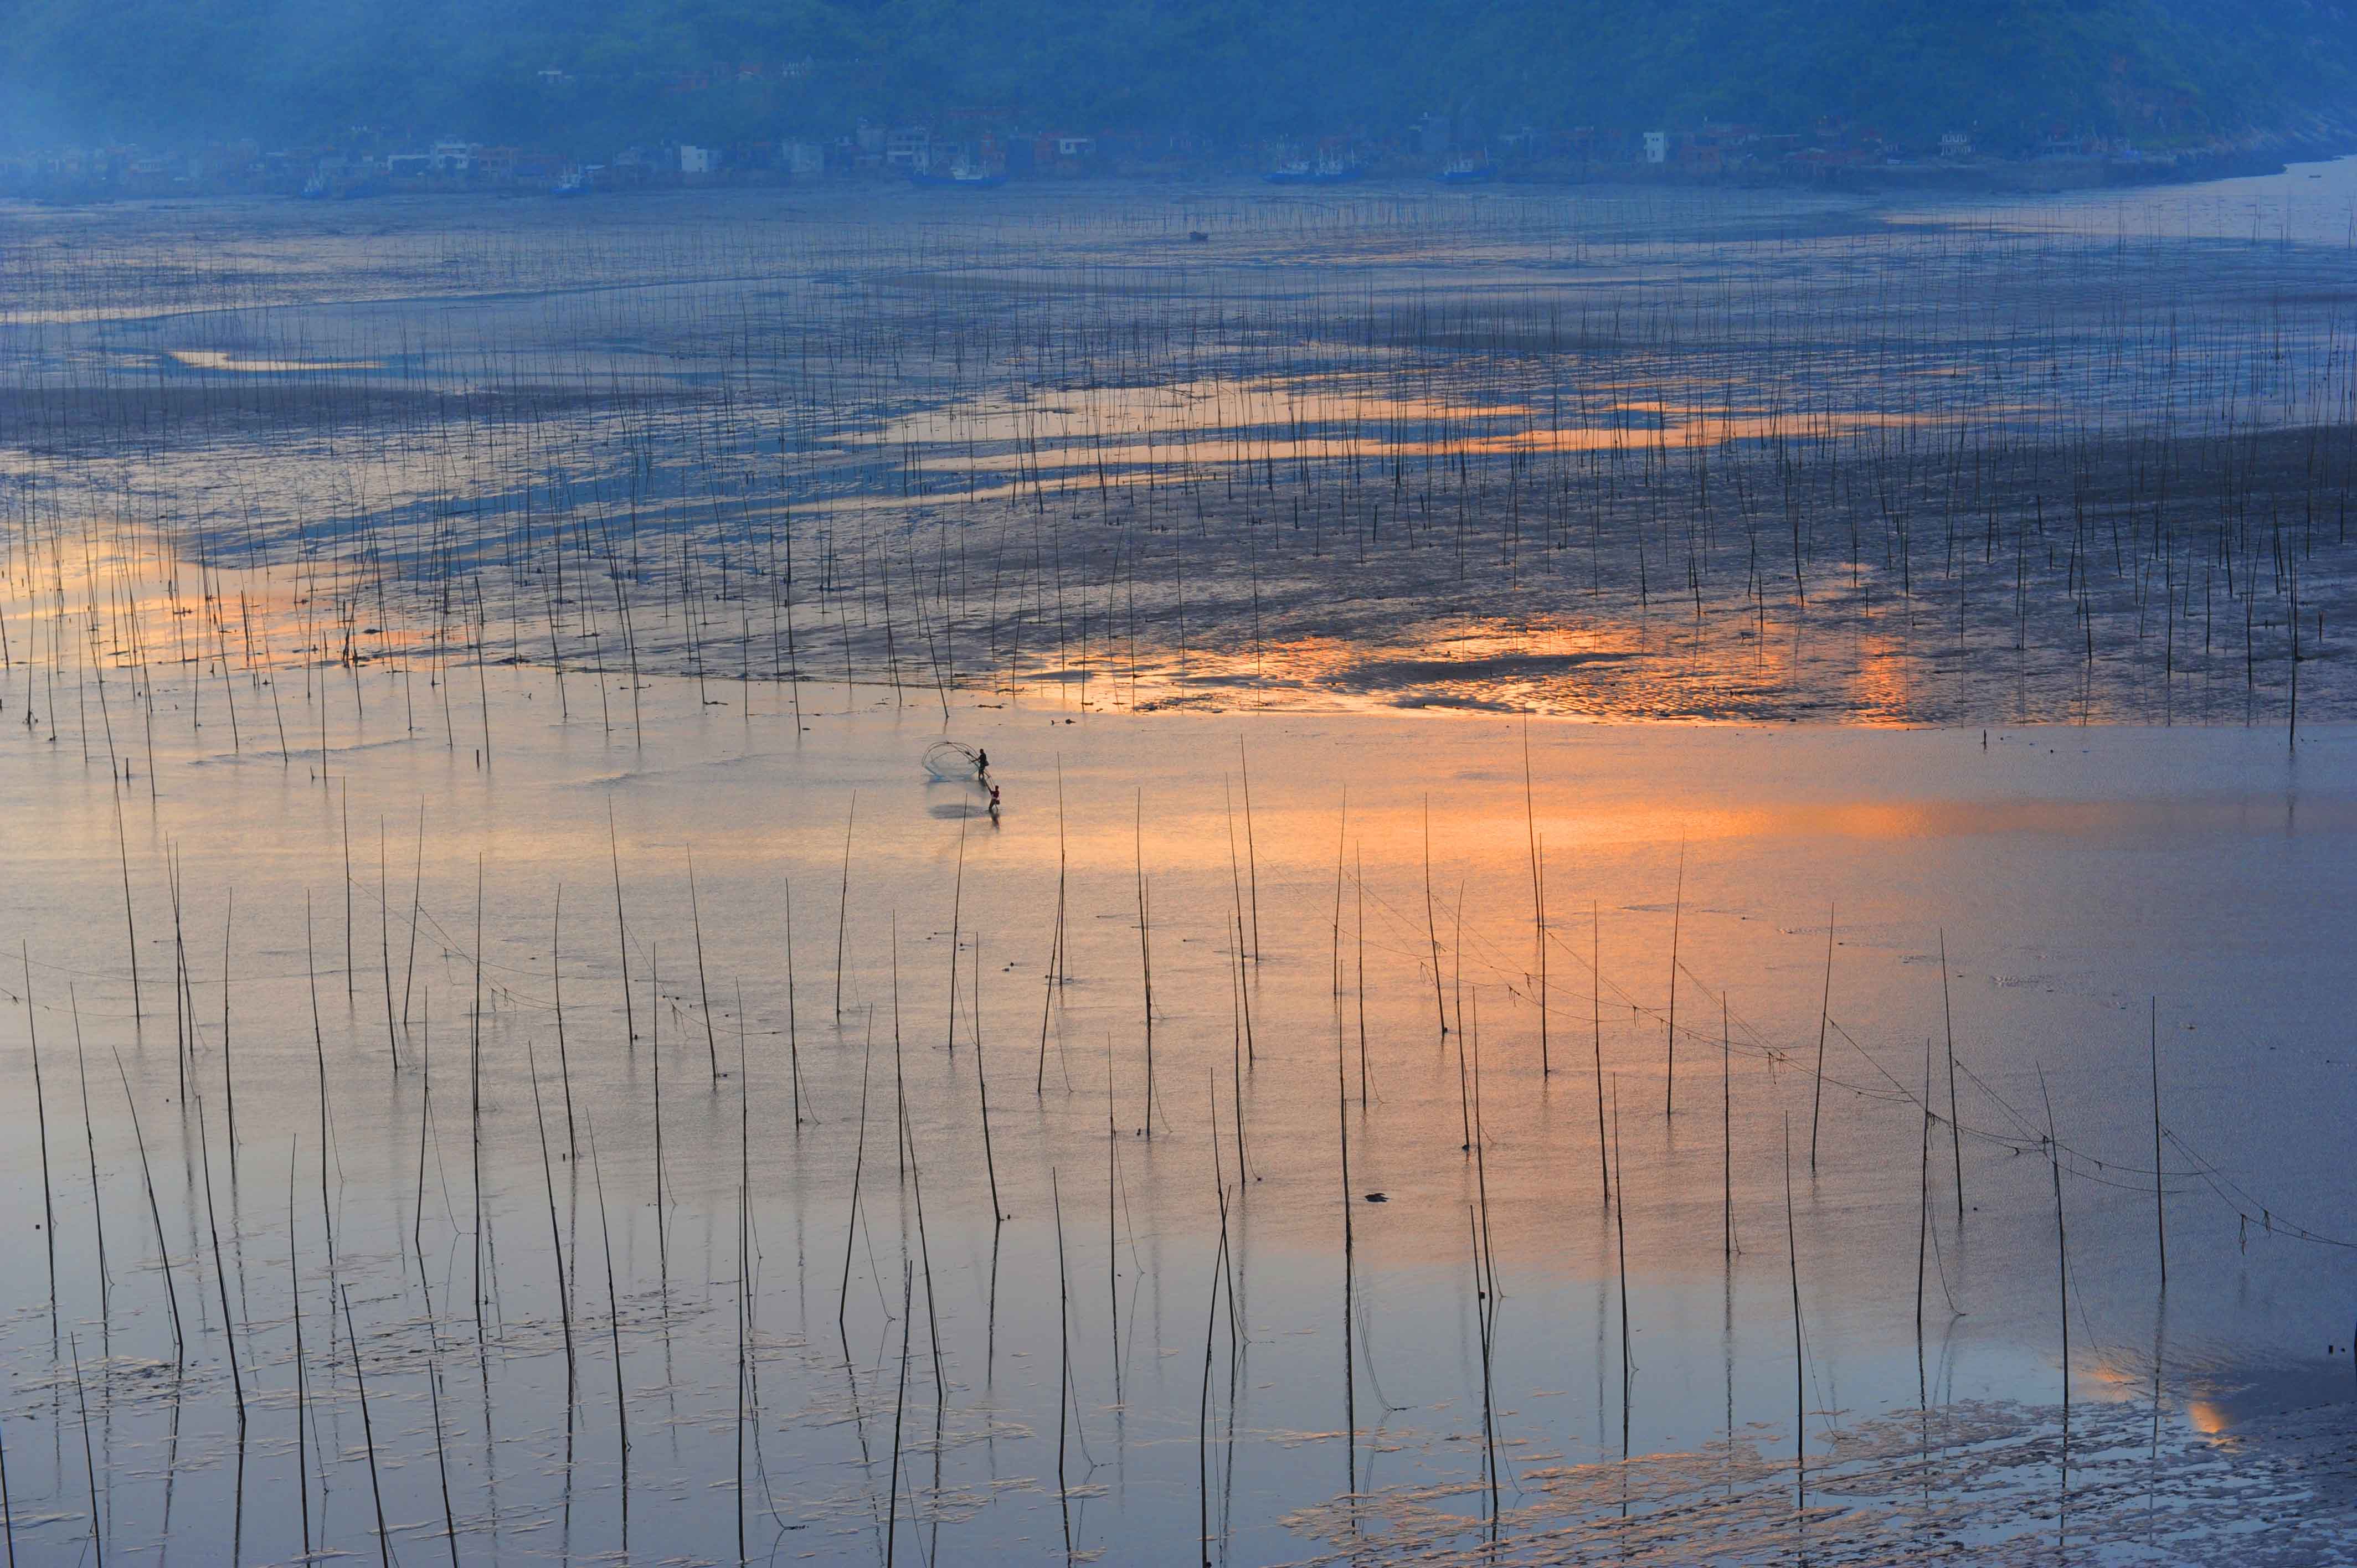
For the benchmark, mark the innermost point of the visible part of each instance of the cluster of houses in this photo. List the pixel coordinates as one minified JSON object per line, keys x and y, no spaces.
{"x":987,"y":146}
{"x":368,"y":163}
{"x":1834,"y":145}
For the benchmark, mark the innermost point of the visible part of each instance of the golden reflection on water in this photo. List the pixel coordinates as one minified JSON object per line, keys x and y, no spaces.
{"x":1557,"y":663}
{"x":1883,"y":684}
{"x":128,"y":598}
{"x":2207,"y":1417}
{"x":1474,"y":656}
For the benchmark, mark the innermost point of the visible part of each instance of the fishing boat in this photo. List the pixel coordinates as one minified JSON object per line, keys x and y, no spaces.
{"x":963,"y":177}
{"x":1469,"y":171}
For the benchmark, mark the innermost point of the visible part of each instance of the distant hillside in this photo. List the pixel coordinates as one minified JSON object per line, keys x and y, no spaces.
{"x":2006,"y":69}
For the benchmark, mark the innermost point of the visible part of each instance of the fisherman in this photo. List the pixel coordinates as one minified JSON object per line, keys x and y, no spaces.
{"x":982,"y":764}
{"x":993,"y":803}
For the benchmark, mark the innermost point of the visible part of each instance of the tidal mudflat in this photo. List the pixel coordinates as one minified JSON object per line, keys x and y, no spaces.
{"x":536,"y":1052}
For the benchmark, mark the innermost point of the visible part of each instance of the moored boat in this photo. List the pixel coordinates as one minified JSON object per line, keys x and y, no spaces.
{"x":962,"y":178}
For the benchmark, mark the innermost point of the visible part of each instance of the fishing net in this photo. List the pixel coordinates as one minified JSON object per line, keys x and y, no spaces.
{"x":950,"y":760}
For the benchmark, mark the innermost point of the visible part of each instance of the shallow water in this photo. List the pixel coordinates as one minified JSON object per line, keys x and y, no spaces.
{"x":1358,"y":1122}
{"x":2096,"y":890}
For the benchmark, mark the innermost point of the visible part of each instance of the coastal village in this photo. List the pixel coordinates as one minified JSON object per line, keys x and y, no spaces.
{"x":984,"y":148}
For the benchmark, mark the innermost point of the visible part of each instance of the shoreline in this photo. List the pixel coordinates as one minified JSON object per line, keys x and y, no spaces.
{"x":1967,"y":177}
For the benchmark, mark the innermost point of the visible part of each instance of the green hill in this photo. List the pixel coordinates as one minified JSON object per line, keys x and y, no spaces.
{"x":2157,"y":69}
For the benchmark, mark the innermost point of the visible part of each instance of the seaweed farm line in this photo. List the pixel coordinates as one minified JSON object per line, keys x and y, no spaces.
{"x":1321,"y":1137}
{"x":1609,"y":454}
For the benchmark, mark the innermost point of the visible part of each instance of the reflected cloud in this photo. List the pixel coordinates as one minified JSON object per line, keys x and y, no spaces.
{"x":219,"y":360}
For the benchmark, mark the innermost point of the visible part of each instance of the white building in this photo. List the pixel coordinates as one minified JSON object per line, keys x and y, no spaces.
{"x":909,"y":147}
{"x":695,"y":160}
{"x":1955,"y":144}
{"x":1657,"y":146}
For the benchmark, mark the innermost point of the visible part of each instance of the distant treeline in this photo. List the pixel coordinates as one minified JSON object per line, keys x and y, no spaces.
{"x":594,"y":73}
